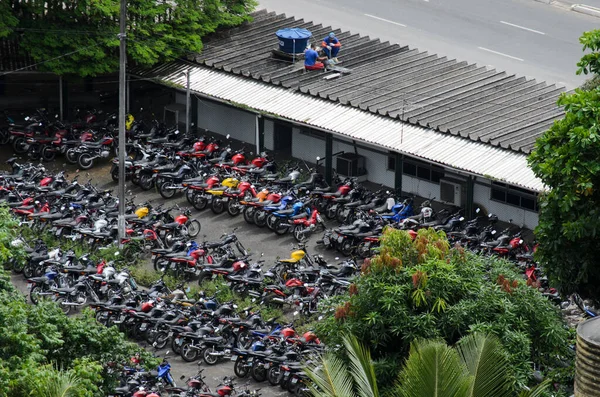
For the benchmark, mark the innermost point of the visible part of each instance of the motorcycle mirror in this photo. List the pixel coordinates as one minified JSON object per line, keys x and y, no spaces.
{"x":477,"y":210}
{"x":192,"y":124}
{"x":176,"y":131}
{"x":337,"y":258}
{"x":318,"y":158}
{"x":493,"y":232}
{"x":56,"y":116}
{"x":227,"y":136}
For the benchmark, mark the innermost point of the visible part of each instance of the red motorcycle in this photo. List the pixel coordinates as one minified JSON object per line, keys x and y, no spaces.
{"x":195,"y":191}
{"x":303,"y":227}
{"x":231,"y":198}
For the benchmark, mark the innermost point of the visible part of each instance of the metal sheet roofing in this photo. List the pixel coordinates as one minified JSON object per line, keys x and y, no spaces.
{"x":395,"y":81}
{"x":353,"y":123}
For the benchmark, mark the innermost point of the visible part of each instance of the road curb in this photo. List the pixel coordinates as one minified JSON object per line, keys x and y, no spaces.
{"x":585,"y":9}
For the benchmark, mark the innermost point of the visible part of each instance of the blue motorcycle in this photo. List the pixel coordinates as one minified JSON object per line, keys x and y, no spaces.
{"x":164,"y":373}
{"x":399,"y":212}
{"x":262,"y":214}
{"x":40,"y":287}
{"x":278,"y":220}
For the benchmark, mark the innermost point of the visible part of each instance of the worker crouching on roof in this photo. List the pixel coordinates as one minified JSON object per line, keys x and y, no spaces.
{"x":312,"y":60}
{"x":331,"y":46}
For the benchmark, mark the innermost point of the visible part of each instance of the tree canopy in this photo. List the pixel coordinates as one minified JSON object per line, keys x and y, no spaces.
{"x":426,"y":289}
{"x":80,"y":36}
{"x":566,"y":159}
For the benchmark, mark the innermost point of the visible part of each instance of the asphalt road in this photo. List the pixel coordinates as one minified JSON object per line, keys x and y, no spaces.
{"x":257,"y":241}
{"x":524,"y":37}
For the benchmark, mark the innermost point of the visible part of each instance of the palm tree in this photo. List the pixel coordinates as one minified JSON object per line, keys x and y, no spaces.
{"x":60,"y":384}
{"x":332,"y":377}
{"x":476,"y":367}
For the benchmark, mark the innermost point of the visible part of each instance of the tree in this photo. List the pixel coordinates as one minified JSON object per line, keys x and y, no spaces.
{"x":57,"y":383}
{"x":475,"y":367}
{"x":425,"y":289}
{"x":80,"y":36}
{"x":7,"y":19}
{"x":565,"y":158}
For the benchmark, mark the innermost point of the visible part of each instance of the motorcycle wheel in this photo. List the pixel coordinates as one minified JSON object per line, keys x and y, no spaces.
{"x":20,"y":146}
{"x":299,"y":233}
{"x":200,"y":202}
{"x":340,"y":214}
{"x":161,"y":264}
{"x":165,"y":190}
{"x":169,"y":240}
{"x":189,"y":196}
{"x":175,"y":347}
{"x":208,"y":358}
{"x":203,"y":277}
{"x":260,"y":218}
{"x":346,"y":248}
{"x":188,"y":353}
{"x":48,"y":154}
{"x":234,"y":207}
{"x":240,"y":368}
{"x":65,"y":308}
{"x":115,"y":175}
{"x":272,"y":222}
{"x":363,"y":250}
{"x":18,"y":266}
{"x":193,"y":228}
{"x":160,"y":340}
{"x":217,"y":205}
{"x":71,"y":156}
{"x":102,"y":317}
{"x":28,"y":270}
{"x":34,"y":295}
{"x":85,"y":161}
{"x":330,"y":211}
{"x":4,"y":137}
{"x":282,"y":227}
{"x":273,"y":375}
{"x":249,"y":215}
{"x":146,"y":182}
{"x":258,"y":372}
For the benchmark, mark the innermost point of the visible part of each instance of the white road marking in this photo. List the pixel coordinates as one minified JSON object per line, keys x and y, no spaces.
{"x":522,"y":27}
{"x":385,"y":20}
{"x":500,"y":53}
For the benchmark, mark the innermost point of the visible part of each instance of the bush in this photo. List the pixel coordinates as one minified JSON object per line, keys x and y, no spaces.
{"x":425,"y":289}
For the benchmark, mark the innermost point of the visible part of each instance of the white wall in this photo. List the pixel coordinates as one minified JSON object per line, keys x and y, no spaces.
{"x":224,"y":120}
{"x":505,"y":212}
{"x":420,"y":187}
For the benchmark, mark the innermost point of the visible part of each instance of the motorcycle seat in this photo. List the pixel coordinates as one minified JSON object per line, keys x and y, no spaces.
{"x":285,"y":212}
{"x":172,"y":225}
{"x":25,"y":207}
{"x":354,"y":204}
{"x":334,"y":194}
{"x":92,"y":145}
{"x":300,"y":216}
{"x":234,"y":192}
{"x":39,"y":258}
{"x":214,"y":339}
{"x":122,"y":390}
{"x":287,"y":179}
{"x":159,"y":140}
{"x":38,"y":280}
{"x":168,"y":175}
{"x":341,"y":200}
{"x":219,"y":188}
{"x":66,"y":290}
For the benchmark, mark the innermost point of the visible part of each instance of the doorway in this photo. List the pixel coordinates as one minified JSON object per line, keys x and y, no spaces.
{"x":282,"y":138}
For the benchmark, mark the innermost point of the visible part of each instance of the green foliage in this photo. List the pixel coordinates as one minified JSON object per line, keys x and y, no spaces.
{"x":49,"y":382}
{"x":565,"y":159}
{"x":80,"y":36}
{"x":590,"y":63}
{"x":482,"y":294}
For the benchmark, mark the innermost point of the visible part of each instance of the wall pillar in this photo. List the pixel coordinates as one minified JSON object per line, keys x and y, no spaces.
{"x":469,"y":210}
{"x":329,"y":158}
{"x":260,"y":134}
{"x":399,"y":165}
{"x":63,"y":92}
{"x":194,"y":114}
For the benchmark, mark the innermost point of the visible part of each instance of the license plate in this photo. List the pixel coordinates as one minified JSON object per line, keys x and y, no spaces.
{"x":250,"y":359}
{"x":104,"y":288}
{"x":173,"y":265}
{"x":340,"y":239}
{"x":29,"y":286}
{"x":295,"y":380}
{"x":178,"y":341}
{"x":326,"y":241}
{"x":170,"y":335}
{"x":53,"y":230}
{"x":319,"y":218}
{"x":153,"y":256}
{"x":90,"y":241}
{"x":233,"y":358}
{"x":143,"y":327}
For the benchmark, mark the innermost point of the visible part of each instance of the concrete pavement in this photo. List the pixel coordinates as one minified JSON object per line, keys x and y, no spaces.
{"x":519,"y":36}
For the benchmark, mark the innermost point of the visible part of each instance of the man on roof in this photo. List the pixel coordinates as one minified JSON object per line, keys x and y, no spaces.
{"x":312,"y":60}
{"x":331,"y":46}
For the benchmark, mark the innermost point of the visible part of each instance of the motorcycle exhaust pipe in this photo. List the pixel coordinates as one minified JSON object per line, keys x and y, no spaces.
{"x":280,"y":300}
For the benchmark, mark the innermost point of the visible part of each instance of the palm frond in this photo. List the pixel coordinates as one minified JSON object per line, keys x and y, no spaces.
{"x":330,"y":377}
{"x":538,"y":391}
{"x":61,"y":384}
{"x":433,"y":370}
{"x":482,"y":354}
{"x":361,"y":367}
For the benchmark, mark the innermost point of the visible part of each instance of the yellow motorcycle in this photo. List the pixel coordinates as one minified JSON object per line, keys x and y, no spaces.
{"x":214,"y":195}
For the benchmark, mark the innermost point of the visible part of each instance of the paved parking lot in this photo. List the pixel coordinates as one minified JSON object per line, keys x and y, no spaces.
{"x":255,"y":239}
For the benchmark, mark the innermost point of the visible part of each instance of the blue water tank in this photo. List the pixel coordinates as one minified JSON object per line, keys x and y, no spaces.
{"x":293,"y":40}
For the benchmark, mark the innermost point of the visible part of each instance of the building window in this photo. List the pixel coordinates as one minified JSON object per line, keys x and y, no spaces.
{"x":422,"y":170}
{"x":313,"y":133}
{"x":391,"y":163}
{"x":513,"y":195}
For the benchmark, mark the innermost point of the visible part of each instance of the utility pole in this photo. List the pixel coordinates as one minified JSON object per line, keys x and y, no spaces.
{"x":187,"y":103}
{"x":122,"y":105}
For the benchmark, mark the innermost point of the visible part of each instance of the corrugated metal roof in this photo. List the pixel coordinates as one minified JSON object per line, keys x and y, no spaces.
{"x":350,"y":122}
{"x":398,"y":82}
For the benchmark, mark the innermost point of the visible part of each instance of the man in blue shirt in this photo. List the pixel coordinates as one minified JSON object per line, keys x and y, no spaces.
{"x":312,"y":60}
{"x":331,"y":46}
